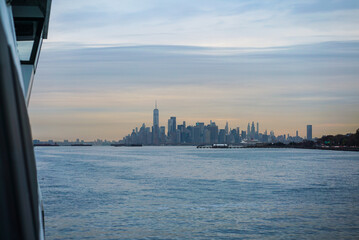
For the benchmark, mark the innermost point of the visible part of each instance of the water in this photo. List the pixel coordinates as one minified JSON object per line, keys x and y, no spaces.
{"x":189,"y":193}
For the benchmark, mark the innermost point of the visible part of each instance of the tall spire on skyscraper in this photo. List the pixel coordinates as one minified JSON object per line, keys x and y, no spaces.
{"x":155,"y":116}
{"x":155,"y":128}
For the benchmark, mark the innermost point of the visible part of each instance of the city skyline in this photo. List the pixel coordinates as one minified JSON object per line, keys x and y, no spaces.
{"x":201,"y":133}
{"x":155,"y":130}
{"x":164,"y":125}
{"x":283,"y":64}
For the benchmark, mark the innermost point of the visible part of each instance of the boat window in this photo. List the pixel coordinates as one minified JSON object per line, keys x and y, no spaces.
{"x":28,"y":30}
{"x":25,"y":49}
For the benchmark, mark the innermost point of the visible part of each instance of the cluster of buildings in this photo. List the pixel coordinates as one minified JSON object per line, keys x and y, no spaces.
{"x":183,"y":134}
{"x":66,"y":142}
{"x":201,"y":133}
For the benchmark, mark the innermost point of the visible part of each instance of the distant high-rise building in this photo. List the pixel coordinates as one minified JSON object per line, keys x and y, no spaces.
{"x":213,"y":129}
{"x":198,"y":133}
{"x":163,"y":130}
{"x":296,"y":133}
{"x":249,"y":131}
{"x":201,"y":125}
{"x":222,"y":136}
{"x":178,"y":136}
{"x":243,"y":134}
{"x":148,"y":135}
{"x":309,"y":132}
{"x":265,"y":136}
{"x":253,"y":130}
{"x":172,"y":131}
{"x":226,"y":128}
{"x":257,"y":128}
{"x":171,"y":125}
{"x":162,"y":134}
{"x":207,"y":136}
{"x":155,"y":116}
{"x":181,"y":128}
{"x":155,"y":127}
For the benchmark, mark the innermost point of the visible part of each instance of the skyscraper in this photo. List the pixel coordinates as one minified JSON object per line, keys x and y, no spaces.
{"x":213,"y":133}
{"x":172,"y":130}
{"x":253,"y":131}
{"x":226,"y":128}
{"x":155,"y":127}
{"x":162,"y":134}
{"x":309,"y":132}
{"x":155,"y":116}
{"x":222,"y":136}
{"x":171,"y":125}
{"x":198,"y":133}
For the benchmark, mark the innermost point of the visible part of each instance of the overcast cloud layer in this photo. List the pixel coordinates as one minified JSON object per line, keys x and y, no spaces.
{"x":282,"y":64}
{"x":215,"y":23}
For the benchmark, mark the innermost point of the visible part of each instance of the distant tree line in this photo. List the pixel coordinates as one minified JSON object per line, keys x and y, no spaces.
{"x":348,"y":140}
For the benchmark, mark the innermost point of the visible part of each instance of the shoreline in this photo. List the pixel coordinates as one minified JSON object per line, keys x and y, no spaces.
{"x":347,"y":149}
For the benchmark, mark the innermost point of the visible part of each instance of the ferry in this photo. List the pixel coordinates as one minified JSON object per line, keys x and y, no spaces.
{"x":23,"y":26}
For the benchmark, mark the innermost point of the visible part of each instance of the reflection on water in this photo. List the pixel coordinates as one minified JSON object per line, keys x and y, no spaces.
{"x":189,"y":193}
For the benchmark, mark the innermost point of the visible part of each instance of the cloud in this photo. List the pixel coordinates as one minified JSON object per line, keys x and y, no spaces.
{"x":125,"y":67}
{"x":204,"y":23}
{"x":282,"y":63}
{"x":94,"y":90}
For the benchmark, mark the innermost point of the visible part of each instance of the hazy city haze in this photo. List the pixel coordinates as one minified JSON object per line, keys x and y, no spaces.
{"x":283,"y":64}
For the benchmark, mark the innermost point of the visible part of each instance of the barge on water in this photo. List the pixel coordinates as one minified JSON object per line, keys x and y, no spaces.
{"x":125,"y":145}
{"x":218,"y":145}
{"x":45,"y":145}
{"x":81,"y":145}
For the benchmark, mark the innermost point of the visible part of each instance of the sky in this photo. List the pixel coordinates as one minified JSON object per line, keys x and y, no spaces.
{"x":284,"y":64}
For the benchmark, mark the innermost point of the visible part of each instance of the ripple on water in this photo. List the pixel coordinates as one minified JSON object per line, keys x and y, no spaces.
{"x":189,"y":193}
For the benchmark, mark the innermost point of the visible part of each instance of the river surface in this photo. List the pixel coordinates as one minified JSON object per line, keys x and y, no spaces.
{"x":189,"y":193}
